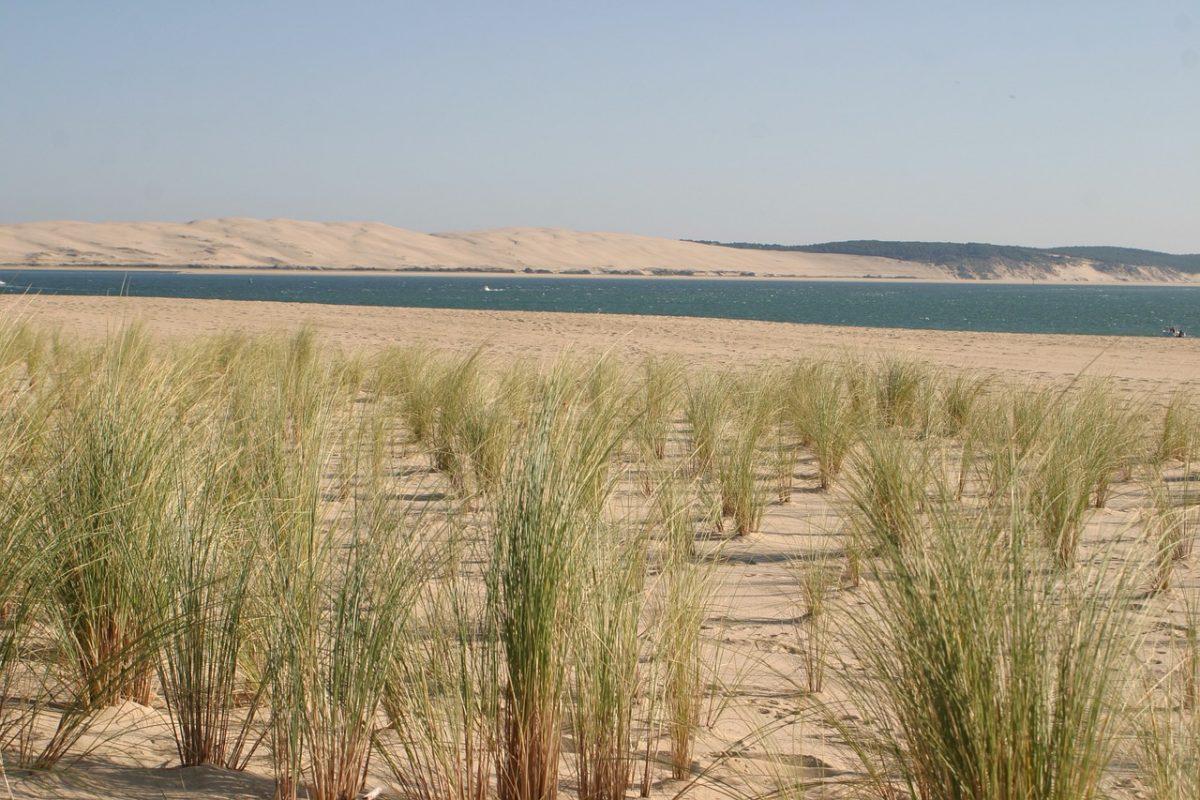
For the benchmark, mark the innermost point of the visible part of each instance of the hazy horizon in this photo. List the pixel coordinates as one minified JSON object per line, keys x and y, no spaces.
{"x":775,"y":122}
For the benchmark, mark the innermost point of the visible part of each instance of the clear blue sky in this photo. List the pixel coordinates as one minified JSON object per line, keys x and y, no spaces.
{"x":1014,"y":122}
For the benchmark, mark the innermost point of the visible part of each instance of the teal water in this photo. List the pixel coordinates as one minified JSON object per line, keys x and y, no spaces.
{"x":1111,"y":310}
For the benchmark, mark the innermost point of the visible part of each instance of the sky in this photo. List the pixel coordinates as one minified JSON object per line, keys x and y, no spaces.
{"x":1038,"y":123}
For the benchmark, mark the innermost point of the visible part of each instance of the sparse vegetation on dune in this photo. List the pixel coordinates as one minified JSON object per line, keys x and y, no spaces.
{"x":740,"y":456}
{"x":821,"y":406}
{"x":462,"y":578}
{"x":988,"y":675}
{"x":887,"y":491}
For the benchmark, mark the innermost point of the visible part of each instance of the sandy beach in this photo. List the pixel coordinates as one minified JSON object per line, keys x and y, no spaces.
{"x":1142,"y":363}
{"x":760,"y":709}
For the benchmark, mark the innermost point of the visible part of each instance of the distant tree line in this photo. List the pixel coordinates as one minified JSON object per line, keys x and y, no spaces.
{"x":978,"y":259}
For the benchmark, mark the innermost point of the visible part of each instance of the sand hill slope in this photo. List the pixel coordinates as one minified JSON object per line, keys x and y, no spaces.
{"x":352,"y":245}
{"x":282,"y":243}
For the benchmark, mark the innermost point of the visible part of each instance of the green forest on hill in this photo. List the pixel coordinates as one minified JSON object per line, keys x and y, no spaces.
{"x":978,"y":259}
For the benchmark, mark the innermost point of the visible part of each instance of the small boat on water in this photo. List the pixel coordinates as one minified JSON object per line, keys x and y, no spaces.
{"x":487,"y":288}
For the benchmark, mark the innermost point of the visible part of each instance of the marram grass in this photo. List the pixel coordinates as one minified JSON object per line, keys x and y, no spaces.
{"x":222,"y":528}
{"x":988,"y":676}
{"x":549,"y":505}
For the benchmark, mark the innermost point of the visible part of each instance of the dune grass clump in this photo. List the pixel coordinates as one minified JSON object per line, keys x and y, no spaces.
{"x":605,"y":671}
{"x":707,"y":402}
{"x":887,"y":490}
{"x":1085,"y":440}
{"x":1167,"y":730}
{"x":1172,"y":525}
{"x":1008,"y":428}
{"x":987,"y":676}
{"x":687,"y":592}
{"x":22,"y":559}
{"x":785,"y":454}
{"x":488,"y":428}
{"x":289,"y":530}
{"x":442,"y":696}
{"x":340,"y":591}
{"x":1178,"y":435}
{"x":901,"y":392}
{"x":305,"y":384}
{"x":1115,"y":431}
{"x":410,"y":374}
{"x":210,"y":580}
{"x":437,"y":394}
{"x":25,"y":347}
{"x":816,"y":580}
{"x":822,"y":409}
{"x":548,"y":506}
{"x":738,"y":460}
{"x":960,"y":396}
{"x":657,"y":400}
{"x":106,"y":501}
{"x":440,"y":402}
{"x":1060,"y":487}
{"x":345,"y":636}
{"x":457,"y":389}
{"x":1189,"y":670}
{"x":278,"y":437}
{"x":1168,"y":752}
{"x":602,"y":381}
{"x":674,"y":513}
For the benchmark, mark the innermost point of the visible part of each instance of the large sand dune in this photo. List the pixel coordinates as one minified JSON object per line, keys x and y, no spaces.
{"x":367,"y":245}
{"x":283,"y":244}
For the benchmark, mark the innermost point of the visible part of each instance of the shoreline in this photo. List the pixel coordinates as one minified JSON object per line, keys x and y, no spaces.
{"x":622,"y":274}
{"x":1140,"y":363}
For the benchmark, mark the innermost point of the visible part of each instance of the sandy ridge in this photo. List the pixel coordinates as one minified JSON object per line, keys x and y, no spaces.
{"x":242,"y":243}
{"x":277,"y":243}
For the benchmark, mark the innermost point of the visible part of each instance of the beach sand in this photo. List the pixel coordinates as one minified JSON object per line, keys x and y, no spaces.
{"x":752,"y":628}
{"x":1145,"y":362}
